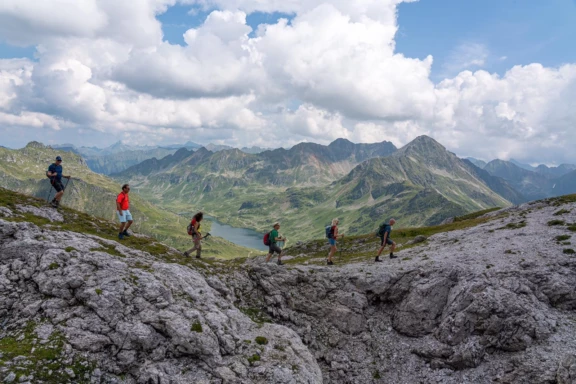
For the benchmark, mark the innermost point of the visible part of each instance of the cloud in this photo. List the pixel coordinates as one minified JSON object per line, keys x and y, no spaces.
{"x":330,"y":71}
{"x":465,"y":56}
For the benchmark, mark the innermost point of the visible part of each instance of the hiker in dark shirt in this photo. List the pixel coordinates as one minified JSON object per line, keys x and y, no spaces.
{"x":385,"y":238}
{"x":55,"y":174}
{"x":274,"y":238}
{"x":194,"y":231}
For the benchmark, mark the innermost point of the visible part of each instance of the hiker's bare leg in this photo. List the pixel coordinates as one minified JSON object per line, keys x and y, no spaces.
{"x":393,"y":247}
{"x":128,"y":225}
{"x":280,"y":255}
{"x":268,"y":257}
{"x":381,"y":249}
{"x":59,"y":195}
{"x":333,"y":250}
{"x":121,"y":229}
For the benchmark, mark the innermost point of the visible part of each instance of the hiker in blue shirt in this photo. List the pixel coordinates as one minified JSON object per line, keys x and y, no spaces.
{"x":54,"y":173}
{"x":384,"y":234}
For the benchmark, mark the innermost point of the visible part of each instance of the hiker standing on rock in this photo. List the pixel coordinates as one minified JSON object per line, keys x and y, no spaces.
{"x":194,"y":231}
{"x":274,"y":237}
{"x":332,"y":237}
{"x":384,"y":234}
{"x":55,"y":174}
{"x":123,"y":212}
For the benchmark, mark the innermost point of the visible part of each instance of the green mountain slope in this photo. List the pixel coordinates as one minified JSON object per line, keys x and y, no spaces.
{"x":308,"y":185}
{"x":23,"y":170}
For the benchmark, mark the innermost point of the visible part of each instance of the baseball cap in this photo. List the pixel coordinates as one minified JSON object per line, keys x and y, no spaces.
{"x":58,"y":158}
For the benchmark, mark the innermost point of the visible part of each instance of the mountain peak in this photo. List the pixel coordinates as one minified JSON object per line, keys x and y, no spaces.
{"x":35,"y":144}
{"x":423,"y":145}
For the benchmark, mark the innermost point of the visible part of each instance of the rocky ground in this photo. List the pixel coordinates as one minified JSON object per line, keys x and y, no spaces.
{"x":493,"y":303}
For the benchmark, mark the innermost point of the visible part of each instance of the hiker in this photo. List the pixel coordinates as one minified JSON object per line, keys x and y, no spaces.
{"x":123,"y":212}
{"x":273,"y":238}
{"x":333,"y":235}
{"x":55,"y":174}
{"x":384,"y":233}
{"x":194,"y":231}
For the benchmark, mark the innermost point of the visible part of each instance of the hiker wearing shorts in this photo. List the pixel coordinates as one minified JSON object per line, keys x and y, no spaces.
{"x":55,"y":174}
{"x":123,"y":212}
{"x":194,"y":231}
{"x":332,"y":238}
{"x":385,"y":239}
{"x":273,"y":247}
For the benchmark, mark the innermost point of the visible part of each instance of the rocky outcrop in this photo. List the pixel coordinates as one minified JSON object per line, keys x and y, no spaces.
{"x":126,"y":315}
{"x":490,"y":304}
{"x":494,"y":303}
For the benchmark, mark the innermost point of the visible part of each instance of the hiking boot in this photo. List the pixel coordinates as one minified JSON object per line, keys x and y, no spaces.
{"x":121,"y":236}
{"x":377,"y":259}
{"x":280,"y":263}
{"x":186,"y":254}
{"x":392,"y":256}
{"x":125,"y":233}
{"x":329,"y":262}
{"x":198,"y":257}
{"x":54,"y":204}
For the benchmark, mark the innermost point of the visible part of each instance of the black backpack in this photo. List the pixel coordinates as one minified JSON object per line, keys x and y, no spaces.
{"x":381,"y":229}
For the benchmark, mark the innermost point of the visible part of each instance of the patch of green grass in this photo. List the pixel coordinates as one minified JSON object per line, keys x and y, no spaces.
{"x":475,"y":215}
{"x":561,"y":212}
{"x":53,"y":266}
{"x":261,"y":340}
{"x":509,"y":252}
{"x":248,"y":341}
{"x":569,"y":251}
{"x":109,"y":249}
{"x":552,"y":223}
{"x":70,"y":249}
{"x":571,"y":227}
{"x":406,"y":259}
{"x":196,"y":327}
{"x":98,"y":291}
{"x":376,"y":375}
{"x":145,"y":267}
{"x":254,"y":358}
{"x":280,"y":347}
{"x":519,"y":225}
{"x":561,"y":200}
{"x":43,"y":357}
{"x":256,"y":315}
{"x":563,"y":237}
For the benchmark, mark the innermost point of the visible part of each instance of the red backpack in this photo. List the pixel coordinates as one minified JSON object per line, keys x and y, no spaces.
{"x":267,"y":239}
{"x":191,"y":228}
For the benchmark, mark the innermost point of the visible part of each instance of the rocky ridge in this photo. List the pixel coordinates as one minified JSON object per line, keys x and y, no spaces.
{"x":494,"y":303}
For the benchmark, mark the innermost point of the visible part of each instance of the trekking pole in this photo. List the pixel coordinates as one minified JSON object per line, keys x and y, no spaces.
{"x":49,"y":192}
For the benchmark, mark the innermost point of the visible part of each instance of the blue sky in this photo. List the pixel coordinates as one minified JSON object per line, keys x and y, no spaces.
{"x":523,"y":31}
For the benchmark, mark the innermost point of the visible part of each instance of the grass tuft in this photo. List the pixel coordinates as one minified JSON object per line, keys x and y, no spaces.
{"x":261,"y":340}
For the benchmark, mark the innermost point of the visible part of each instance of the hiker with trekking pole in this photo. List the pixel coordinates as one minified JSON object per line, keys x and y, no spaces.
{"x":194,"y":231}
{"x":384,"y":234}
{"x":272,"y":240}
{"x":54,"y":173}
{"x":332,"y":235}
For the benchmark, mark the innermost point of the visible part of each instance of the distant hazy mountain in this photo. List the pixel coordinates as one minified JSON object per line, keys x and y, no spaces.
{"x":254,"y":150}
{"x":479,"y":163}
{"x":532,"y":185}
{"x":553,"y":172}
{"x":187,"y":145}
{"x":565,"y":184}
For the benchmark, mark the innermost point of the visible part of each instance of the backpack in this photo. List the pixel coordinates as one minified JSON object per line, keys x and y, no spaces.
{"x":266,"y":239}
{"x":191,"y":229}
{"x":50,"y":177}
{"x":381,"y":228}
{"x":329,"y":233}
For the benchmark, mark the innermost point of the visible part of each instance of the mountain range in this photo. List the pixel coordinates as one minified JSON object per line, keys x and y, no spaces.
{"x":119,"y":156}
{"x":309,"y":184}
